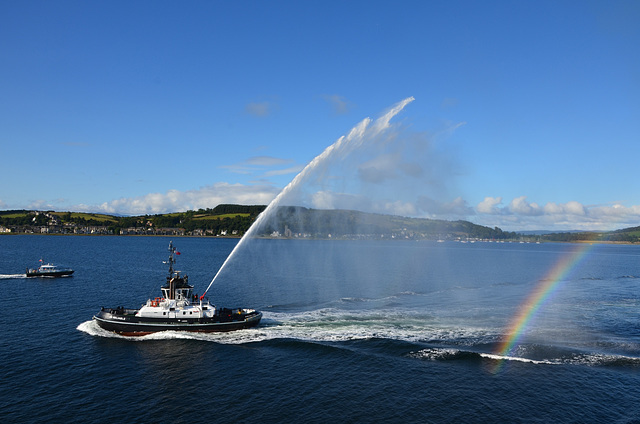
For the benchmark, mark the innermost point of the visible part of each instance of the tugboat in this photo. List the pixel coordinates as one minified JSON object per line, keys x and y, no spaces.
{"x":48,"y":270}
{"x":179,"y":309}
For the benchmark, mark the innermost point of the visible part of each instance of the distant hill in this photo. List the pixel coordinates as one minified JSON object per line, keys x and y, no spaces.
{"x":625,"y":235}
{"x":305,"y":222}
{"x":545,"y":232}
{"x":235,"y":220}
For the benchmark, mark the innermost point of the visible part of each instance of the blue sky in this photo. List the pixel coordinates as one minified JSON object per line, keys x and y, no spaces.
{"x":530,"y":109}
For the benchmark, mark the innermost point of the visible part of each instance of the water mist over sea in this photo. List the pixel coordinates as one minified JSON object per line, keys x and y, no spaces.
{"x":378,"y":167}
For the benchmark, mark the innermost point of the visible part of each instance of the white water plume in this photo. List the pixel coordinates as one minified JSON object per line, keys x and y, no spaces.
{"x":363,"y":132}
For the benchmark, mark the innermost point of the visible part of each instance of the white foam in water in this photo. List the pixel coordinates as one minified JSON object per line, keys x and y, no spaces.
{"x":90,"y":327}
{"x":515,"y":358}
{"x":601,"y":358}
{"x":591,"y":359}
{"x":322,"y":325}
{"x":332,"y":325}
{"x":10,"y":276}
{"x":434,"y":354}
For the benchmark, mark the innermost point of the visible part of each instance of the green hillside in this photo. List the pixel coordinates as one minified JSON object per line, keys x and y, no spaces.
{"x":235,"y":220}
{"x":355,"y":224}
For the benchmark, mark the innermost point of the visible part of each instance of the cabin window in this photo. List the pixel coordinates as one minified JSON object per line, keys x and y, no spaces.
{"x":164,"y":313}
{"x":184,"y":313}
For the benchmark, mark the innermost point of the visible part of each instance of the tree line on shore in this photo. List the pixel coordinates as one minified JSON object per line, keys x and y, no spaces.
{"x":221,"y":219}
{"x":626,"y":235}
{"x":289,"y":221}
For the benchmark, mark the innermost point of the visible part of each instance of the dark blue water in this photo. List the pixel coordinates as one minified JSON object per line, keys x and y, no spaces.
{"x":353,"y":331}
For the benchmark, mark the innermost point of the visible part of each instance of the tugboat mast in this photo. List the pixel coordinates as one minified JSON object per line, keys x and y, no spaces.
{"x":171,"y":259}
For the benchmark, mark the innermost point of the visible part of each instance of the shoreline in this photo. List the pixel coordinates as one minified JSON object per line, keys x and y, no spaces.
{"x":319,"y":238}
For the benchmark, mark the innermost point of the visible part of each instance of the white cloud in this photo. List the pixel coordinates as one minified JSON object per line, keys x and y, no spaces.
{"x":521,"y":215}
{"x":175,"y":200}
{"x":458,"y":207}
{"x":399,"y":208}
{"x":489,"y":205}
{"x":339,"y":104}
{"x":332,"y":200}
{"x":259,"y":165}
{"x":267,"y":161}
{"x":552,"y":208}
{"x":286,"y":171}
{"x":520,"y":206}
{"x":260,"y":109}
{"x":42,"y":205}
{"x":575,"y":208}
{"x":453,"y":210}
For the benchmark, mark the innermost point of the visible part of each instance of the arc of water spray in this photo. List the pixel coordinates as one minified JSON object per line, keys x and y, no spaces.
{"x":356,"y":137}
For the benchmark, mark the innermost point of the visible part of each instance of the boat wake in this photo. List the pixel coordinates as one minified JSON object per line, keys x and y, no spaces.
{"x":12,"y":276}
{"x":450,"y":354}
{"x":585,"y":359}
{"x":420,"y":336}
{"x":322,"y":325}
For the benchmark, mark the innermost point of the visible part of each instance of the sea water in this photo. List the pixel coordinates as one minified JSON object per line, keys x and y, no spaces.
{"x":355,"y":331}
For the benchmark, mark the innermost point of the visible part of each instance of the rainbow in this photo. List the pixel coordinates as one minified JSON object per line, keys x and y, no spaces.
{"x":543,"y":291}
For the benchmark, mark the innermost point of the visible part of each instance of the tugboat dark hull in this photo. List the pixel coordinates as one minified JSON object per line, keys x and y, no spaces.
{"x":123,"y":322}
